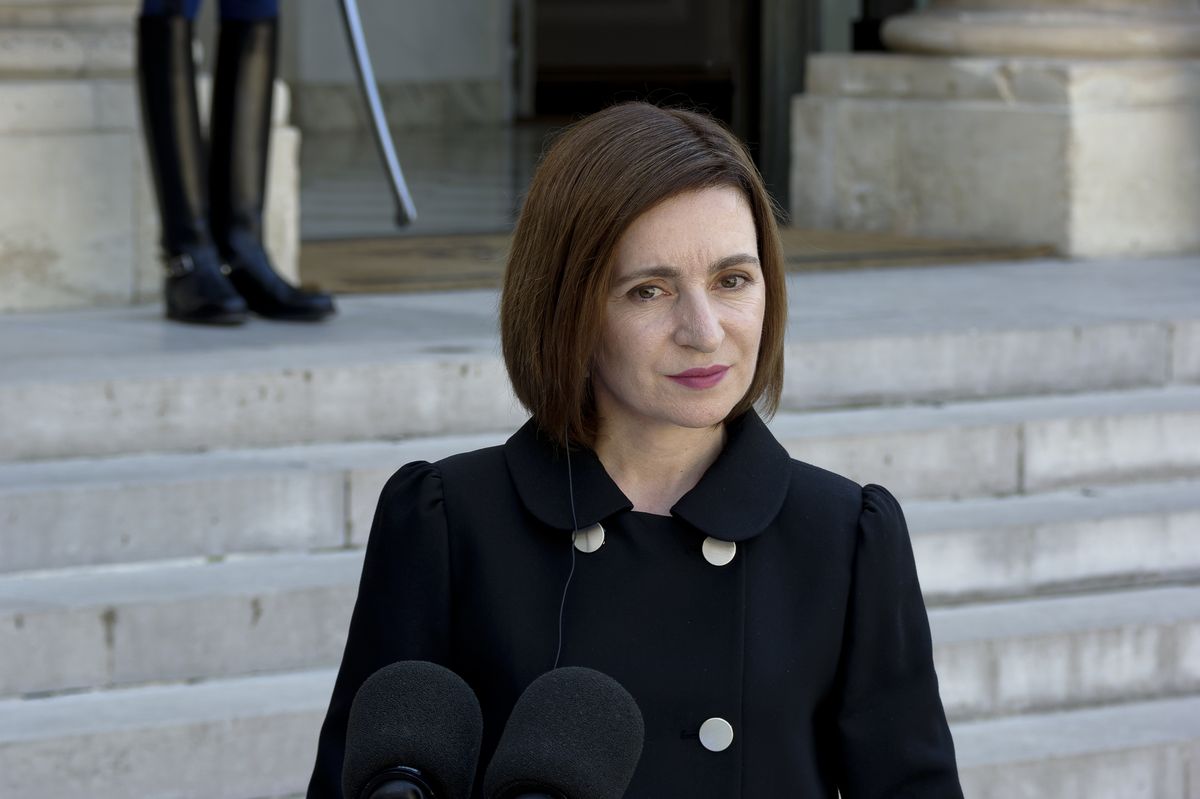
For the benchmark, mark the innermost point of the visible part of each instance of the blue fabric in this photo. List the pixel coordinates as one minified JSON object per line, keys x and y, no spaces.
{"x":249,"y":9}
{"x":230,"y":9}
{"x":172,"y":8}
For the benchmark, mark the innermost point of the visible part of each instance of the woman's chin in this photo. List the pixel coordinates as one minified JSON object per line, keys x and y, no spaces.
{"x":699,"y":417}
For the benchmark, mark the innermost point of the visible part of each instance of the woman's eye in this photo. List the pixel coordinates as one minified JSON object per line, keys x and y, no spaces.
{"x":646,"y":292}
{"x":732,"y":281}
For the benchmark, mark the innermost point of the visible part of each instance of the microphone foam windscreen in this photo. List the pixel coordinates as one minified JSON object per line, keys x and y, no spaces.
{"x":414,"y":714}
{"x":574,"y":730}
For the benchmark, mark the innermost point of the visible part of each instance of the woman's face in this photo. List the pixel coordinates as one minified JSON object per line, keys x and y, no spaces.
{"x":684,"y":314}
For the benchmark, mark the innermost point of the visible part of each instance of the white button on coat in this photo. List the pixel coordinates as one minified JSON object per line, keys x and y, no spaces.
{"x":716,"y":734}
{"x":718,"y":552}
{"x":589,"y":539}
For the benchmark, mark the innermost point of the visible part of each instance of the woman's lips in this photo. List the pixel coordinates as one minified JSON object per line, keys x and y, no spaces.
{"x":707,"y":377}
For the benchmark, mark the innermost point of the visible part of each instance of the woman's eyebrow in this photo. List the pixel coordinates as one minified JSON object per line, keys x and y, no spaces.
{"x":671,"y":271}
{"x":733,"y":260}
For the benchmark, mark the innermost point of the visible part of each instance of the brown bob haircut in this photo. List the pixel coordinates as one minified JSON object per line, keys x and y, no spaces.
{"x":596,"y":178}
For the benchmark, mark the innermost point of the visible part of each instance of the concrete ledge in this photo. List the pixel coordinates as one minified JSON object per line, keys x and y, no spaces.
{"x":986,"y":548}
{"x":426,"y":395}
{"x":1149,"y":749}
{"x":65,"y":513}
{"x":76,"y":513}
{"x":62,"y":52}
{"x":1062,"y":652}
{"x":857,"y":338}
{"x":110,"y":13}
{"x":256,"y":737}
{"x":353,"y":395}
{"x":98,"y":628}
{"x":980,"y":363}
{"x":1185,"y":352}
{"x":1005,"y":446}
{"x":1106,"y":448}
{"x":251,"y":737}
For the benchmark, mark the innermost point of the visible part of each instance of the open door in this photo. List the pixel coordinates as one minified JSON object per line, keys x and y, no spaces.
{"x":740,"y":60}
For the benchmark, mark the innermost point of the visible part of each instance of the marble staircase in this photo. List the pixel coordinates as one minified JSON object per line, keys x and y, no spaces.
{"x":182,"y":515}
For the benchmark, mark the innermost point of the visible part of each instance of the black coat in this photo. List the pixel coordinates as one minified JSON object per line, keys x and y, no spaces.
{"x":812,"y":642}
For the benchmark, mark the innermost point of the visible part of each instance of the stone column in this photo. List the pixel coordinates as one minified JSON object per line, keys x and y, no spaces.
{"x":78,"y":220}
{"x":1074,"y":123}
{"x":1059,"y":29}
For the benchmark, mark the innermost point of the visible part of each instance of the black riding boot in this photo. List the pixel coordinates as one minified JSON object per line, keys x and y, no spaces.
{"x":239,"y":134}
{"x":195,"y":290}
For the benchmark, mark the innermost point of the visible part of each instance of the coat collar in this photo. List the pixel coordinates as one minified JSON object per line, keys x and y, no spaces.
{"x":739,"y":495}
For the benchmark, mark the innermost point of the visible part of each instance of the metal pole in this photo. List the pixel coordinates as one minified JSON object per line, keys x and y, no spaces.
{"x":406,"y":212}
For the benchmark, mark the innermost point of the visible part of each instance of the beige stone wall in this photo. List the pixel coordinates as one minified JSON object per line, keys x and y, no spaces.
{"x":333,"y":107}
{"x":437,"y":62}
{"x":66,"y":213}
{"x":1074,"y":123}
{"x":78,"y":218}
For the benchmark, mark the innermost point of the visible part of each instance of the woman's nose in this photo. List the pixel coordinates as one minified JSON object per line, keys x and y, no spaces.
{"x":698,"y":324}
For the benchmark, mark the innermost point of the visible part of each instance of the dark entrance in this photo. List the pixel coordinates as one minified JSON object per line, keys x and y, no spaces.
{"x":740,"y":60}
{"x":590,"y":54}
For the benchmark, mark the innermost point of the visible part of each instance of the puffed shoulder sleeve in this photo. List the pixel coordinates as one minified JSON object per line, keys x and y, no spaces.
{"x":894,"y":738}
{"x":403,"y":606}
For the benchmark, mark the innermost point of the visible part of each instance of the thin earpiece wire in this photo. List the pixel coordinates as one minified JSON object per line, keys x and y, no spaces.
{"x":574,"y":532}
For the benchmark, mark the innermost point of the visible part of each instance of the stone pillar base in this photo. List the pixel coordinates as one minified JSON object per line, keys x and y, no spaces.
{"x":1097,"y":158}
{"x":1083,"y":32}
{"x":78,"y":217}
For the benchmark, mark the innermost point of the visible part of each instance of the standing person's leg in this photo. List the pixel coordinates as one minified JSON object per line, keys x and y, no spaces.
{"x":174,"y":8}
{"x":249,"y":10}
{"x":195,"y":289}
{"x":240,"y":134}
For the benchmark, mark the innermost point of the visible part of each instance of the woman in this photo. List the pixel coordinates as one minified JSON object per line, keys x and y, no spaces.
{"x":216,"y":267}
{"x":764,"y":613}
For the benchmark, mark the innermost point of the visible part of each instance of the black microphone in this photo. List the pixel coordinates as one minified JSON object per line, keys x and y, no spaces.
{"x":413,"y":733}
{"x":574,"y":734}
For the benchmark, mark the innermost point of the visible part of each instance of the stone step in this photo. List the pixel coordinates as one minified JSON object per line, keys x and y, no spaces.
{"x":129,"y":508}
{"x":1063,"y":652}
{"x":1147,"y":750}
{"x":172,"y":621}
{"x":67,"y":51}
{"x":1008,"y":446}
{"x":79,"y":13}
{"x":256,"y":736}
{"x":243,"y":738}
{"x":105,"y":382}
{"x":144,"y":507}
{"x":100,"y":627}
{"x":1104,"y":537}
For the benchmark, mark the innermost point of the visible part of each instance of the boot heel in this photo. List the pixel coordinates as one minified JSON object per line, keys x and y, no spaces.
{"x":240,"y":133}
{"x":197,"y":291}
